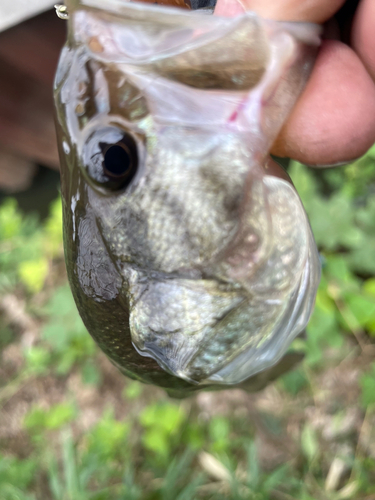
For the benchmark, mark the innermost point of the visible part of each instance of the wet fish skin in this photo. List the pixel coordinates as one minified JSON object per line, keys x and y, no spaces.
{"x":202,"y":270}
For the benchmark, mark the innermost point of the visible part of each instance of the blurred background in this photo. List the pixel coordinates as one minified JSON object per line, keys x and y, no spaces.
{"x":73,"y":428}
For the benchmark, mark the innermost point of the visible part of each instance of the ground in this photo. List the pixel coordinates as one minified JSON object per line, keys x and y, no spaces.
{"x":72,"y":427}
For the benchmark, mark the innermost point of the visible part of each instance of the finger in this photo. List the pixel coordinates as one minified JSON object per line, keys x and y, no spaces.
{"x":334,"y":119}
{"x":317,"y":11}
{"x":363,"y":34}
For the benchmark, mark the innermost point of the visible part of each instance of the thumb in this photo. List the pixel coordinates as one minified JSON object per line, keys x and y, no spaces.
{"x":316,"y":11}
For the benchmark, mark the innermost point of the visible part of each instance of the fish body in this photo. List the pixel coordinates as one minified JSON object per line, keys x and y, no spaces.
{"x":189,"y":254}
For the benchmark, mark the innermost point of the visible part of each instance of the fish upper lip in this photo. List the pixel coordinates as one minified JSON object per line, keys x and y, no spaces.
{"x":146,"y":275}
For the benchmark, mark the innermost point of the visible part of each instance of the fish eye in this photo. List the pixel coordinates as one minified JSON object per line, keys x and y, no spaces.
{"x":111,"y":158}
{"x":120,"y":161}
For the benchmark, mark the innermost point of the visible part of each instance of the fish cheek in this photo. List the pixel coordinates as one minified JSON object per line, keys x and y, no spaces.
{"x":96,"y":287}
{"x":107,"y":321}
{"x":96,"y":272}
{"x":98,"y":293}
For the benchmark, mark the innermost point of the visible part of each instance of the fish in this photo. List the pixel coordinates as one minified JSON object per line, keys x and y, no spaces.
{"x":188,"y":251}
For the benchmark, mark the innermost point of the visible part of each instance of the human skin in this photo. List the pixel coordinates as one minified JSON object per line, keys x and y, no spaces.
{"x":333,"y":122}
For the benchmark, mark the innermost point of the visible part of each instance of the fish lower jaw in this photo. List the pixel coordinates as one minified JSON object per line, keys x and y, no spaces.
{"x":205,"y":336}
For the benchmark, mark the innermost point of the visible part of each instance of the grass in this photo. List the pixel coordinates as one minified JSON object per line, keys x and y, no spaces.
{"x":72,"y":428}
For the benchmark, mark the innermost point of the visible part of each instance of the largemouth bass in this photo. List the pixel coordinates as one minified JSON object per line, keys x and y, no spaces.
{"x":189,"y":254}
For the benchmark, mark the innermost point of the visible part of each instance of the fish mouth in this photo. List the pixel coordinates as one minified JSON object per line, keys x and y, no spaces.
{"x":223,"y":331}
{"x":207,"y":333}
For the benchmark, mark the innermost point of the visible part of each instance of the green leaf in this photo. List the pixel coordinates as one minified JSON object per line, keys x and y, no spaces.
{"x":166,"y":417}
{"x":53,"y":228}
{"x":332,"y":223}
{"x":35,"y":418}
{"x":303,"y":181}
{"x":132,"y":491}
{"x":367,"y":383}
{"x":16,"y":472}
{"x":37,"y":360}
{"x":90,"y":373}
{"x":54,"y":418}
{"x":175,"y":476}
{"x":65,"y":332}
{"x":362,"y":258}
{"x":194,"y":436}
{"x":59,"y":415}
{"x":109,"y":437}
{"x":322,"y":331}
{"x":33,"y":273}
{"x":362,"y":307}
{"x":156,"y":441}
{"x":294,"y":381}
{"x":369,"y":286}
{"x":219,"y":433}
{"x":172,"y":418}
{"x":10,"y":219}
{"x":219,"y":428}
{"x":55,"y":334}
{"x":276,"y":478}
{"x":371,"y":152}
{"x":61,"y":303}
{"x":337,"y":269}
{"x":253,"y":470}
{"x":133,"y":390}
{"x":309,"y":442}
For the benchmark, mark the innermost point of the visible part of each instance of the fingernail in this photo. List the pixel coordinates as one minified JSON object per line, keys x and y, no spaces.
{"x":332,"y":165}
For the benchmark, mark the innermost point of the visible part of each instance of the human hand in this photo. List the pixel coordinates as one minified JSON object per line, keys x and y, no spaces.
{"x":333,"y":121}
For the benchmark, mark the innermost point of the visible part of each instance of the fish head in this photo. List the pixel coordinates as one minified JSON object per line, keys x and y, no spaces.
{"x":188,"y":251}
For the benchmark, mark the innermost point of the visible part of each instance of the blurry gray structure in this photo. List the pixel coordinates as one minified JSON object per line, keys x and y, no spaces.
{"x":13,"y":12}
{"x":31,"y":37}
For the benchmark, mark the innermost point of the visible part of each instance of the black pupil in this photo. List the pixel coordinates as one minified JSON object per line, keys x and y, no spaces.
{"x":117,"y":160}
